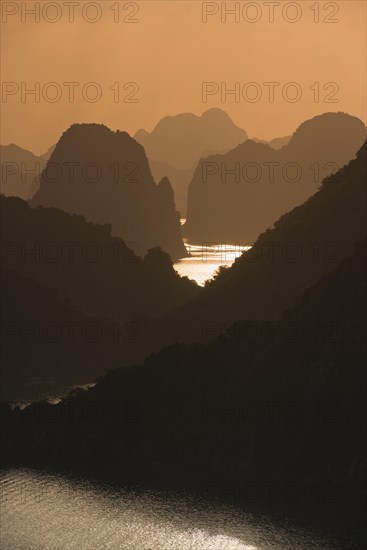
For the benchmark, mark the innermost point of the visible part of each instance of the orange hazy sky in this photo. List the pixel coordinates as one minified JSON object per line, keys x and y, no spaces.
{"x":169,"y":52}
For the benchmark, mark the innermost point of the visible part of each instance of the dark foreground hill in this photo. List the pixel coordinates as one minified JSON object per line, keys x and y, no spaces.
{"x":305,"y":245}
{"x":266,"y":405}
{"x":47,"y":346}
{"x":99,"y":274}
{"x":73,"y":299}
{"x":105,"y":176}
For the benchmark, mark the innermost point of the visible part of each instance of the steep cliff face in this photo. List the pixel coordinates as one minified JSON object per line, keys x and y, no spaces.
{"x":105,"y":176}
{"x":179,"y":179}
{"x":235,"y":196}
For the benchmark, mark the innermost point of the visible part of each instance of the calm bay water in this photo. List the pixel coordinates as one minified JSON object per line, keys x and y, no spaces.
{"x":206,"y":258}
{"x":42,"y":512}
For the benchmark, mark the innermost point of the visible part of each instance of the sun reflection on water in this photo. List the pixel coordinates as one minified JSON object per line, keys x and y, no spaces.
{"x":206,"y":258}
{"x":49,"y":512}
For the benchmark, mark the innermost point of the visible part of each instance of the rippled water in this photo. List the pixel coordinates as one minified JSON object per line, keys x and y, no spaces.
{"x":205,"y":258}
{"x":43,"y":512}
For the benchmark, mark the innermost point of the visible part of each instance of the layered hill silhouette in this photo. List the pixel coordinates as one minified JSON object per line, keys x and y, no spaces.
{"x":105,"y":176}
{"x":49,"y":152}
{"x":305,"y":244}
{"x":249,"y":408}
{"x":263,"y":383}
{"x":235,"y":196}
{"x":276,"y":143}
{"x":176,"y":144}
{"x":98,"y":273}
{"x":20,"y":171}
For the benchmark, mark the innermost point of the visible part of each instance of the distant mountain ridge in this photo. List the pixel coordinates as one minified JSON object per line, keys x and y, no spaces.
{"x":49,"y":152}
{"x":182,"y":139}
{"x":276,"y":143}
{"x":20,"y":171}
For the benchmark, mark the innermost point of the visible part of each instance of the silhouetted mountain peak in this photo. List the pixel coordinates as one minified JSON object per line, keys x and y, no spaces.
{"x":328,"y":131}
{"x":216,"y":113}
{"x":12,"y":147}
{"x":14,"y":153}
{"x":87,"y":138}
{"x":210,"y":116}
{"x":180,"y":140}
{"x":140,"y":135}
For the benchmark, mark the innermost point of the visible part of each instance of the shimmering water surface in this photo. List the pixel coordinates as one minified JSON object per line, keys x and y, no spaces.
{"x":205,"y":259}
{"x":42,"y":512}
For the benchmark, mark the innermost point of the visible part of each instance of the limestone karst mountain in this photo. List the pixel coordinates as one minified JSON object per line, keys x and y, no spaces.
{"x":176,"y":144}
{"x":235,"y":196}
{"x":20,"y":171}
{"x":182,"y":139}
{"x":105,"y":176}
